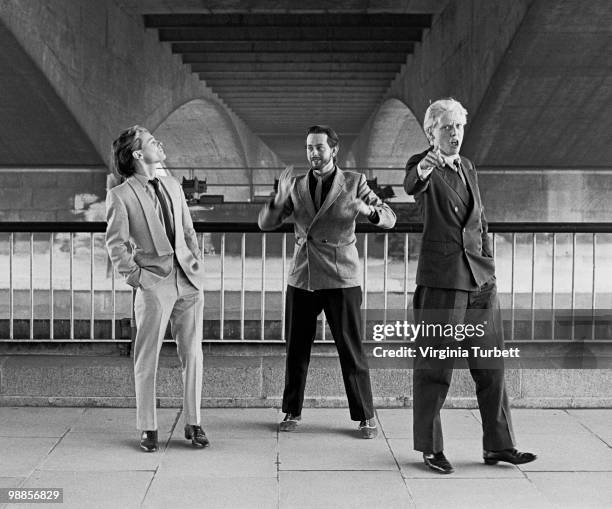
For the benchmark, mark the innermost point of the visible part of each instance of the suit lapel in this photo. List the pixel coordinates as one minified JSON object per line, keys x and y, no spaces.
{"x":453,"y":180}
{"x":334,"y":192}
{"x":468,"y":172}
{"x":156,"y":229}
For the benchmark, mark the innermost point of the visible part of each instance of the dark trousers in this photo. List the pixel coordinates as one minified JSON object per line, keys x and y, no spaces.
{"x":431,"y":378}
{"x":342,"y":310}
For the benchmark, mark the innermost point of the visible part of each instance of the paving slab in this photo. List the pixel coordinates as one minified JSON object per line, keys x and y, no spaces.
{"x":224,"y":458}
{"x":85,"y":452}
{"x":455,"y":423}
{"x":340,"y":490}
{"x":11,"y":482}
{"x":20,"y":456}
{"x":566,"y":453}
{"x":544,"y":421}
{"x":121,"y":420}
{"x":193,"y":491}
{"x":574,"y":490}
{"x":451,"y":492}
{"x":93,"y":489}
{"x":464,"y":454}
{"x":598,"y":421}
{"x":252,"y":423}
{"x":97,"y":460}
{"x":37,"y":421}
{"x":333,"y":451}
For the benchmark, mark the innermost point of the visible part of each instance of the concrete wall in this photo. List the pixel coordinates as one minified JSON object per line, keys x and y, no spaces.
{"x":460,"y":54}
{"x":253,"y":376}
{"x":556,"y":195}
{"x":108,"y":72}
{"x":52,"y":194}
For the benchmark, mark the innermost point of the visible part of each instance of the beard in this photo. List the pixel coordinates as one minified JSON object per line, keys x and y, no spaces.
{"x":319,"y":163}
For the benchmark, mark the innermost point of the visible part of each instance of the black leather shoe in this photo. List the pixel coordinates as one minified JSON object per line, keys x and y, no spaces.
{"x":148,"y":441}
{"x":509,"y":456}
{"x":290,"y":422}
{"x":438,"y":463}
{"x":368,"y":429}
{"x":196,"y":434}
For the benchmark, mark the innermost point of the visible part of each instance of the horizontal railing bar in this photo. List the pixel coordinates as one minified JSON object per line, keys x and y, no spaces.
{"x":496,"y":170}
{"x":233,"y":227}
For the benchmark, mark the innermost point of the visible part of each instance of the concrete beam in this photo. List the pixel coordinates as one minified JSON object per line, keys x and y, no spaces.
{"x":306,"y":19}
{"x":254,"y":84}
{"x":301,"y":67}
{"x":302,"y":88}
{"x":283,"y":33}
{"x":299,"y":76}
{"x":282,"y":6}
{"x":296,"y":46}
{"x":219,"y":57}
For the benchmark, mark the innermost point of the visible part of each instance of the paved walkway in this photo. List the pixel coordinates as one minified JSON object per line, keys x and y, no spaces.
{"x":93,"y":455}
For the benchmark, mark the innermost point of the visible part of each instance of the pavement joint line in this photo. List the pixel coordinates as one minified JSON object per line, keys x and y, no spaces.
{"x":39,"y":464}
{"x":149,"y":484}
{"x":162,"y":452}
{"x":278,"y":462}
{"x":585,"y":426}
{"x":399,"y":467}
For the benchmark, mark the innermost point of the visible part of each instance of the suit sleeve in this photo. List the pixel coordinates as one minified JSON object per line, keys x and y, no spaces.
{"x":118,"y":239}
{"x":271,"y":217}
{"x":386,"y":216}
{"x":191,"y":238}
{"x":413,"y":184}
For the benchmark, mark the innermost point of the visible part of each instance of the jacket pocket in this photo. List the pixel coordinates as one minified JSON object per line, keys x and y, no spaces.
{"x":347,"y":261}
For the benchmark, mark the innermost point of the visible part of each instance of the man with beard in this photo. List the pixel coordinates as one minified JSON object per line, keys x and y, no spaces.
{"x":455,"y":285}
{"x":324,"y":276}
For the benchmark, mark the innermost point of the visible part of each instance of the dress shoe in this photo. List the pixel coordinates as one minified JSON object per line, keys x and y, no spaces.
{"x":368,"y":429}
{"x":148,"y":441}
{"x":290,"y":422}
{"x":509,"y":456}
{"x":196,"y":434}
{"x":438,"y":463}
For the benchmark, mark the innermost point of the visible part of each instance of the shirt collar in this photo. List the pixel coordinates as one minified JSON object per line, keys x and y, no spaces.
{"x":325,"y":177}
{"x":143,"y":179}
{"x":450,"y":160}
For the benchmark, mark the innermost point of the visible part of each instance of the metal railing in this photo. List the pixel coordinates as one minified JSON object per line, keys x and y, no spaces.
{"x":57,"y":284}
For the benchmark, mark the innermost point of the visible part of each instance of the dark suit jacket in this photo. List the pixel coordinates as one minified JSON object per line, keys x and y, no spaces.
{"x":456,"y":251}
{"x":325,"y":253}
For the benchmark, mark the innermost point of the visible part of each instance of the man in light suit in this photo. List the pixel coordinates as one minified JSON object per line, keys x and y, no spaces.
{"x":325,"y":273}
{"x":151,"y":241}
{"x":455,"y":285}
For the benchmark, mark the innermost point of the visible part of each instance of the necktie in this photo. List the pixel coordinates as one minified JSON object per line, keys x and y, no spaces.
{"x":318,"y":192}
{"x":458,"y":169}
{"x":165,"y":210}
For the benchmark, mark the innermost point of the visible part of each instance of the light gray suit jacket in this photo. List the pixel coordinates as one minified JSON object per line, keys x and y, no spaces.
{"x":136,"y":239}
{"x":325,"y":253}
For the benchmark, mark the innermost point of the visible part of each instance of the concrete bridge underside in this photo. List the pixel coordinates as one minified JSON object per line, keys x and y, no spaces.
{"x":236,"y":83}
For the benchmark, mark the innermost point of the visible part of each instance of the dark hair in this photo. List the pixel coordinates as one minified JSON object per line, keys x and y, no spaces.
{"x":332,"y":137}
{"x":122,"y":160}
